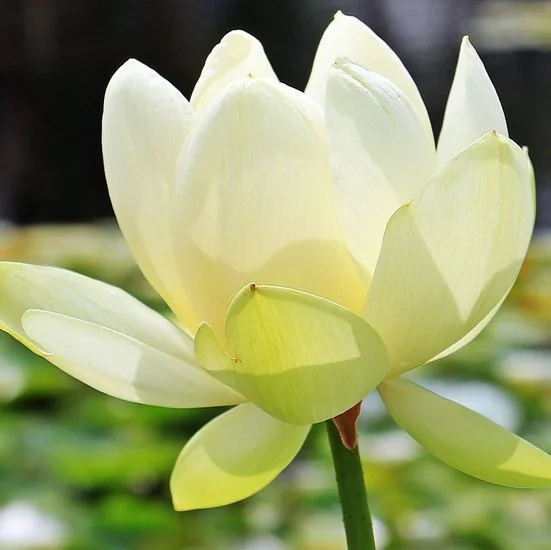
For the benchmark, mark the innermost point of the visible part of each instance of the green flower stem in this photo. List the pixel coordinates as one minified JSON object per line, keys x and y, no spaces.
{"x":352,"y":493}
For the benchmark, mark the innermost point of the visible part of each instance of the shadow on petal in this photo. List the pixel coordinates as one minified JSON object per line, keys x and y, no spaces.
{"x":465,"y":439}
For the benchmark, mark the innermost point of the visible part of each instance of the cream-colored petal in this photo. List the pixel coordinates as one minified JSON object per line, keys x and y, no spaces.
{"x":381,"y":156}
{"x":300,"y":358}
{"x":451,"y":255}
{"x":348,"y":37}
{"x":234,"y":456}
{"x":236,"y":56}
{"x":473,"y":106}
{"x":465,"y":439}
{"x":470,"y":336}
{"x":145,"y":123}
{"x":121,"y":366}
{"x":255,"y":202}
{"x":26,"y":286}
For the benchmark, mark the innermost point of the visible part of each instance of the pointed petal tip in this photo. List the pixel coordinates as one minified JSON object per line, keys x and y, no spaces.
{"x":129,"y":68}
{"x":238,"y":34}
{"x":348,"y":23}
{"x":240,"y":42}
{"x":188,"y":503}
{"x":181,"y":504}
{"x":473,"y":105}
{"x":132,"y":61}
{"x":341,"y":63}
{"x":341,"y":16}
{"x":467,"y":49}
{"x":492,"y":138}
{"x":183,"y":501}
{"x":237,"y":55}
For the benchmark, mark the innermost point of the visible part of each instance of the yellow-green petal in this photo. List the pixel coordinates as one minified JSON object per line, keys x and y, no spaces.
{"x":470,"y":336}
{"x":122,"y":366}
{"x":26,"y":286}
{"x":298,"y":357}
{"x":255,"y":202}
{"x":465,"y":439}
{"x":450,"y":256}
{"x":232,"y":457}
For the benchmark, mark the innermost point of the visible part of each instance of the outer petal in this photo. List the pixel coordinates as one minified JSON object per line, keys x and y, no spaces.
{"x":26,"y":286}
{"x":145,"y":123}
{"x":348,"y":37}
{"x":122,"y":366}
{"x":451,"y":255}
{"x":465,"y":439}
{"x":473,"y":106}
{"x":233,"y":457}
{"x":255,"y":202}
{"x":381,"y":156}
{"x":236,"y":56}
{"x":300,"y":358}
{"x":470,"y":336}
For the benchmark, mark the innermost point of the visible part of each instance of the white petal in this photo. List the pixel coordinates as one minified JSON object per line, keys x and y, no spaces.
{"x":465,"y":439}
{"x":122,"y":366}
{"x":26,"y":286}
{"x":232,"y":457}
{"x":348,"y":37}
{"x":451,"y":255}
{"x":145,"y":123}
{"x":381,"y":156}
{"x":236,"y":56}
{"x":473,"y":106}
{"x":255,"y":202}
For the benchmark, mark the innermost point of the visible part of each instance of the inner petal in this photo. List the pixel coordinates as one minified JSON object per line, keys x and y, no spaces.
{"x":255,"y":202}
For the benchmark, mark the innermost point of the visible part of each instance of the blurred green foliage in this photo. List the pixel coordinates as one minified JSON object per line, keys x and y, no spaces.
{"x":80,"y":470}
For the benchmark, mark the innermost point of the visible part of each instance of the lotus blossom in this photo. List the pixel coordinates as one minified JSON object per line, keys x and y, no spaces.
{"x":313,"y":247}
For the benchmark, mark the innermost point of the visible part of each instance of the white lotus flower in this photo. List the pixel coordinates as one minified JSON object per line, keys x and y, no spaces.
{"x":371,"y":251}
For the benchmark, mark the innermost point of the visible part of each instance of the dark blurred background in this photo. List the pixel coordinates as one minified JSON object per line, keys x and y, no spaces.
{"x":56,"y":57}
